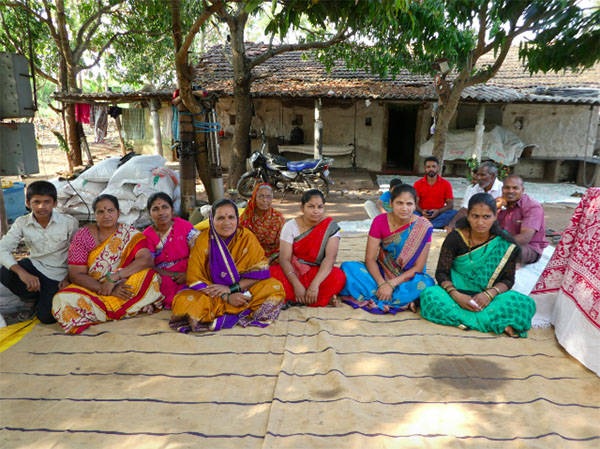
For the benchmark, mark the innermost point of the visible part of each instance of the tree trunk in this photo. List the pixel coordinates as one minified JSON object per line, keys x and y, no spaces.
{"x":241,"y":132}
{"x":202,"y":163}
{"x":446,"y":111}
{"x":187,"y":166}
{"x":242,"y":100}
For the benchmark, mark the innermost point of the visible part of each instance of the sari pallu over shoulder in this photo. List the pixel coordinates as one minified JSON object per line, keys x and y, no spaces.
{"x":479,"y":269}
{"x":309,"y":247}
{"x":398,"y":253}
{"x":217,"y":261}
{"x":76,"y":308}
{"x":474,"y":272}
{"x":171,"y":253}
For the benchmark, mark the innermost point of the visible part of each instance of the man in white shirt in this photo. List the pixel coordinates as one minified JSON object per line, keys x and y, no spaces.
{"x":487,"y":182}
{"x":47,"y":234}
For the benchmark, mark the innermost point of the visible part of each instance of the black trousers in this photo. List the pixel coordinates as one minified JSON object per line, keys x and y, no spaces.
{"x":43,"y":297}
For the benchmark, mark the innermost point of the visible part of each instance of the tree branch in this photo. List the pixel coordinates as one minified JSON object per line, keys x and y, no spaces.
{"x":198,"y":23}
{"x":26,"y":8}
{"x":339,"y":37}
{"x":93,"y":18}
{"x":103,"y":49}
{"x":482,"y":30}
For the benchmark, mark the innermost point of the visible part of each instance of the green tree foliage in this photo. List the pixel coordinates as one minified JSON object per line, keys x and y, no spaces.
{"x":557,"y":35}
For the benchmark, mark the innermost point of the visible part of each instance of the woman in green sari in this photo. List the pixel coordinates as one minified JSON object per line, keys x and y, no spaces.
{"x":475,"y":273}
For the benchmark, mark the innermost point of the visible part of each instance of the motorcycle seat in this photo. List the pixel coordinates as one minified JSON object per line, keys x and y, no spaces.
{"x":302,"y":165}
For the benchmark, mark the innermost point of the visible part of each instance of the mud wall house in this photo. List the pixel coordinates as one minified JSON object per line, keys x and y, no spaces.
{"x":379,"y":124}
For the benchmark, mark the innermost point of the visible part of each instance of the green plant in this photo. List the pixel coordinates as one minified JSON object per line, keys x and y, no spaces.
{"x":62,"y":143}
{"x":473,"y":164}
{"x":503,"y":170}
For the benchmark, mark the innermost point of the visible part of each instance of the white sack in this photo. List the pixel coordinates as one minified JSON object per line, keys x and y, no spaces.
{"x":136,"y":169}
{"x":101,"y":171}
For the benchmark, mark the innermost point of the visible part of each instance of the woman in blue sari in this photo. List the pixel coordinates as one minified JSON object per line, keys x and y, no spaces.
{"x":229,"y":279}
{"x":393,"y":274}
{"x":475,"y":273}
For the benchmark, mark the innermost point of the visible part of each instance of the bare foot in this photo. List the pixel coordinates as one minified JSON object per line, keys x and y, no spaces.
{"x":335,"y":301}
{"x":412,"y":307}
{"x":510,"y":331}
{"x":149,"y":309}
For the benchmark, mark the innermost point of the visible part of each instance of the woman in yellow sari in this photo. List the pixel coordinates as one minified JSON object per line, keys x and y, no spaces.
{"x":110,"y":266}
{"x":229,"y":279}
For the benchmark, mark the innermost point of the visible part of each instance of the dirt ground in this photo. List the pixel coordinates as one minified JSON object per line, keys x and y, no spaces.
{"x":345,"y":201}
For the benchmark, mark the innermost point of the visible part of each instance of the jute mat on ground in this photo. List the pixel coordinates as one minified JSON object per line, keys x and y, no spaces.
{"x":331,"y":378}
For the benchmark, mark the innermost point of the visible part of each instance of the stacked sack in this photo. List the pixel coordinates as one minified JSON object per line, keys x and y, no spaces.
{"x":131,"y":183}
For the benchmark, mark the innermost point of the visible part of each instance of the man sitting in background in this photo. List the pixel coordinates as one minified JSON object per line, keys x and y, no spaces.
{"x":383,"y":203}
{"x":523,"y":217}
{"x":435,"y":200}
{"x":487,"y":181}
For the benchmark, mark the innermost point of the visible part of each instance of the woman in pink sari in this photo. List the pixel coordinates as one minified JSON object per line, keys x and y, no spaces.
{"x":170,"y":240}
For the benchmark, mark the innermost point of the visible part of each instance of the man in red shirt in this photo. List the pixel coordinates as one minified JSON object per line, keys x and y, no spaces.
{"x":523,"y":217}
{"x":435,"y":200}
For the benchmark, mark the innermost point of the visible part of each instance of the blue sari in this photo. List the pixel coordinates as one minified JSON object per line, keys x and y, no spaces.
{"x":398,"y":253}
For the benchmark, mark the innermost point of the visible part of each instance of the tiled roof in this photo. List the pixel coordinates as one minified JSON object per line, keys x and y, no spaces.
{"x":298,"y":74}
{"x":114,"y":97}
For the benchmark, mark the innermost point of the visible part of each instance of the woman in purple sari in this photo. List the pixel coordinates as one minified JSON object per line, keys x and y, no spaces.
{"x":393,"y":274}
{"x":228,"y":278}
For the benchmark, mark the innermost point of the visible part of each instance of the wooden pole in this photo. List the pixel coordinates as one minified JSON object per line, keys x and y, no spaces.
{"x":318,"y":130}
{"x":479,"y":129}
{"x":121,"y":140}
{"x":154,"y":107}
{"x":3,"y":217}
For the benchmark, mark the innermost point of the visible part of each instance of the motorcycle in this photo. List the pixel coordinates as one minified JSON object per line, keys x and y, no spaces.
{"x":284,"y":175}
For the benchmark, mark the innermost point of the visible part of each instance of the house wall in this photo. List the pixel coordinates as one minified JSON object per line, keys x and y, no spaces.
{"x":559,"y":131}
{"x":279,"y":117}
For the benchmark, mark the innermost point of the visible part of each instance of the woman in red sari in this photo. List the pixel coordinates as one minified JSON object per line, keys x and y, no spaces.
{"x":308,"y":249}
{"x":264,"y":221}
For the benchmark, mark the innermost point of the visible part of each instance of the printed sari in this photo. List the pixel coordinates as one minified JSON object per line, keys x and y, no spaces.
{"x":77,"y":308}
{"x":266,"y":227}
{"x":171,"y":253}
{"x":567,"y":294}
{"x":308,"y":251}
{"x":398,"y":253}
{"x":471,"y":273}
{"x":217,"y":261}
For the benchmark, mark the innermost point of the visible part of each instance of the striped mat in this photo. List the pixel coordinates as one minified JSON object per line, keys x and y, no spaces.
{"x":331,"y":378}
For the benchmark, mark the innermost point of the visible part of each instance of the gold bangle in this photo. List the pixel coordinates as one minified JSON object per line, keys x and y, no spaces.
{"x":488,"y":295}
{"x":391,"y":285}
{"x":449,"y":286}
{"x":453,"y":289}
{"x":497,"y":290}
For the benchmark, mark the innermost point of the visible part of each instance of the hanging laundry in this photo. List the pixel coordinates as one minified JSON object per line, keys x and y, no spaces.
{"x":99,"y":120}
{"x":134,"y":124}
{"x":82,"y":112}
{"x":114,"y":111}
{"x":166,"y":127}
{"x":175,"y":123}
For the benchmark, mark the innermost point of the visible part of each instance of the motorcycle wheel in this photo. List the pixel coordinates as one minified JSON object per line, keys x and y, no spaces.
{"x":319,"y":183}
{"x":245,"y":185}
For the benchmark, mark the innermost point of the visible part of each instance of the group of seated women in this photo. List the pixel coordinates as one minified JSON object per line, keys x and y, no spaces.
{"x":244,"y":270}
